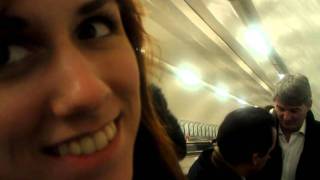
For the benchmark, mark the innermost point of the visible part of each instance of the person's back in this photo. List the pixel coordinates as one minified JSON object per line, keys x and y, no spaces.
{"x":245,"y":139}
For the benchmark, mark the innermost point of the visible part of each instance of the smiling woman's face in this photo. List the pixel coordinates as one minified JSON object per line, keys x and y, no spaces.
{"x":69,"y":90}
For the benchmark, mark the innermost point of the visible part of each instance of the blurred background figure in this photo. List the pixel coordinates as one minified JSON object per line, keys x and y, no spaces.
{"x":244,"y":141}
{"x":169,"y":121}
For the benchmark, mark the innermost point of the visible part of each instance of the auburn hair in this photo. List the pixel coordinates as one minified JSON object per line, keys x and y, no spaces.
{"x":157,"y":140}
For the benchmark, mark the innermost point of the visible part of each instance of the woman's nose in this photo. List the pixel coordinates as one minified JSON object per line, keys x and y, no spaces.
{"x":80,"y":88}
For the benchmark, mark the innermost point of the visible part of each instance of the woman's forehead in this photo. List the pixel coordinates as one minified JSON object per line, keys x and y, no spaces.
{"x":17,"y":6}
{"x":39,"y":13}
{"x":43,"y":19}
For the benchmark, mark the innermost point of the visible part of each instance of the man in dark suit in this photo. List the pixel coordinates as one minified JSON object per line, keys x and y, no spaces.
{"x":297,"y":151}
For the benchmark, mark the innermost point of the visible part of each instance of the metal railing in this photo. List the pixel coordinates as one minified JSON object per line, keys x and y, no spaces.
{"x":198,"y":135}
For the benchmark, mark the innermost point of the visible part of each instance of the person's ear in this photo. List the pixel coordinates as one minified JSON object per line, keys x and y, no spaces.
{"x":309,"y":104}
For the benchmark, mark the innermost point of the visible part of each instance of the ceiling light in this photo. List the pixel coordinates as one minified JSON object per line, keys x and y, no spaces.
{"x":257,"y":41}
{"x":188,"y":75}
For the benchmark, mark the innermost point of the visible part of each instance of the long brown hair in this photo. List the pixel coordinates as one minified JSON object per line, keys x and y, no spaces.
{"x":150,"y":124}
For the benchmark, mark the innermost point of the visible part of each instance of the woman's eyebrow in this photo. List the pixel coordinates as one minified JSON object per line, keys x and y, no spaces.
{"x":12,"y":23}
{"x":91,"y":6}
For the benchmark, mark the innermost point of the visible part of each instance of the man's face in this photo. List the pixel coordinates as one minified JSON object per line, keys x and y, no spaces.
{"x":290,"y":117}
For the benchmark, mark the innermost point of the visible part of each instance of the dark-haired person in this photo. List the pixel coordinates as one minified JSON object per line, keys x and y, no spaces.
{"x":298,"y":133}
{"x":244,"y":141}
{"x":74,"y":95}
{"x":169,"y":121}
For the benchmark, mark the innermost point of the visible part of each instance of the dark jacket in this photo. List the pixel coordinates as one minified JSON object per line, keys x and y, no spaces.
{"x":310,"y":156}
{"x":206,"y":169}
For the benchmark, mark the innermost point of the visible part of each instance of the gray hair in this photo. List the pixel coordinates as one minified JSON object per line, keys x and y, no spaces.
{"x":293,"y":89}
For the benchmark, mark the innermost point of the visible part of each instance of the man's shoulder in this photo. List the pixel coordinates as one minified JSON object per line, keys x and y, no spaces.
{"x":311,"y":121}
{"x":314,"y":125}
{"x":312,"y":131}
{"x":202,"y":166}
{"x":204,"y":159}
{"x":317,"y":124}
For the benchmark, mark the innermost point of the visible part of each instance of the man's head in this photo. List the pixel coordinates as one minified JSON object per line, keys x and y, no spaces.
{"x":292,"y":100}
{"x":247,"y":136}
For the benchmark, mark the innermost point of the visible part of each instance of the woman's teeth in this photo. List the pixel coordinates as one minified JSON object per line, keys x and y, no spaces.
{"x":90,"y":143}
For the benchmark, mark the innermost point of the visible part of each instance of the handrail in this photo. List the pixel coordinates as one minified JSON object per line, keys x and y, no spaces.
{"x":193,"y":129}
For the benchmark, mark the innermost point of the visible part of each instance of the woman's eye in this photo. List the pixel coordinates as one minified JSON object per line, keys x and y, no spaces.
{"x":11,"y":54}
{"x":93,"y":30}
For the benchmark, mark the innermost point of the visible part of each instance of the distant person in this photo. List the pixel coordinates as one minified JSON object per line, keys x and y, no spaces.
{"x":297,"y":148}
{"x":244,"y":141}
{"x":169,"y":122}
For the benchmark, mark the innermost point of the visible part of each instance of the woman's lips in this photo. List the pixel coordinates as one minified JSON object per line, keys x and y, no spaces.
{"x":87,"y":144}
{"x":88,"y":158}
